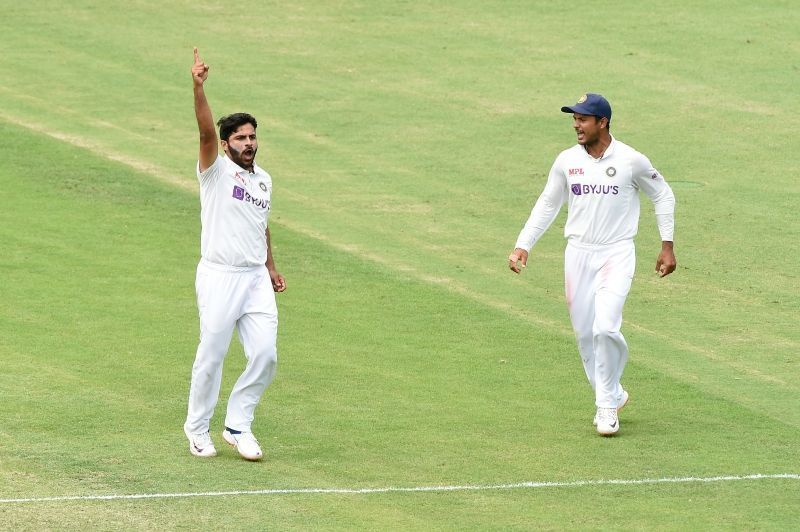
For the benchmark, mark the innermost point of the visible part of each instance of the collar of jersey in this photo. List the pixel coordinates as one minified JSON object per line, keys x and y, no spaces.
{"x":606,"y":154}
{"x":256,"y":169}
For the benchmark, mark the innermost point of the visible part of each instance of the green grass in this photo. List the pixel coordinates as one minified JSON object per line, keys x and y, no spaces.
{"x":407,"y":143}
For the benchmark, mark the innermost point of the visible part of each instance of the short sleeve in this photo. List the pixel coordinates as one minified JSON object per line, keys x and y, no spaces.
{"x":212,"y":173}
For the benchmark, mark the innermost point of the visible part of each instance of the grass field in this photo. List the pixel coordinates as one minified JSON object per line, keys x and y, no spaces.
{"x":407,"y":142}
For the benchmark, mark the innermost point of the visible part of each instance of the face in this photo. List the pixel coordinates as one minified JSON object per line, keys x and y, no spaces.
{"x":241,"y":146}
{"x":588,"y":128}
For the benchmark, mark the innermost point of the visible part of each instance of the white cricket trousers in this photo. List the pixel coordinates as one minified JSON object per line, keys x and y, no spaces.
{"x":597,"y":280}
{"x":228,"y":297}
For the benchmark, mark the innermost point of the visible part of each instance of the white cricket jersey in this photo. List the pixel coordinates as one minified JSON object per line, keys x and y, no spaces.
{"x":234,"y":210}
{"x":602,"y":196}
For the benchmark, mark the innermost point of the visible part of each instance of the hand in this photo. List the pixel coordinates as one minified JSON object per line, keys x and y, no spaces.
{"x":199,"y":69}
{"x":518,"y":255}
{"x":278,"y":282}
{"x":666,"y":263}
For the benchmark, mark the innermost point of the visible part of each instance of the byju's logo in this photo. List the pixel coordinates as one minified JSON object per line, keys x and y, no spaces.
{"x":580,"y":190}
{"x":242,"y":195}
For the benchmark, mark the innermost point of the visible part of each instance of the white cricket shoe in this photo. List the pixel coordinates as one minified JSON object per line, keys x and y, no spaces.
{"x":200,"y":444}
{"x":622,"y":404}
{"x":607,"y":421}
{"x":624,"y":401}
{"x":245,"y":443}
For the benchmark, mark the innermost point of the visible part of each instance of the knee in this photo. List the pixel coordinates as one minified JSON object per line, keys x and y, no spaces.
{"x":265,"y":356}
{"x":604,"y":331}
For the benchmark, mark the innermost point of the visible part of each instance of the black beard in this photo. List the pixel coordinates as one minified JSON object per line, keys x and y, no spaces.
{"x":236,"y":157}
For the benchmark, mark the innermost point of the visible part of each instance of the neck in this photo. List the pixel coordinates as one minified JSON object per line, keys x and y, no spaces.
{"x":598,"y":148}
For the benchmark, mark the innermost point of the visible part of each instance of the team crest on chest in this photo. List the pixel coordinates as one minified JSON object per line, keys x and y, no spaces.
{"x":263,"y":186}
{"x":611,"y":171}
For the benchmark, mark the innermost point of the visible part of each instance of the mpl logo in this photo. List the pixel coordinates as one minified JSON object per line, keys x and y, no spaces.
{"x":576,"y":171}
{"x":239,"y":178}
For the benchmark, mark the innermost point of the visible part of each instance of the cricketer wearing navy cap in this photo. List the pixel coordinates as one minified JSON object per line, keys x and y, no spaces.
{"x":600,"y":180}
{"x":590,"y":104}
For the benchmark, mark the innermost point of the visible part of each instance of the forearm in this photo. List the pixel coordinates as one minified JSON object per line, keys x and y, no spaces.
{"x":202,"y":111}
{"x":205,"y":120}
{"x":545,"y":209}
{"x":542,"y":216}
{"x":663,"y":200}
{"x":664,"y":205}
{"x":270,"y":264}
{"x":666,"y":226}
{"x":278,"y":282}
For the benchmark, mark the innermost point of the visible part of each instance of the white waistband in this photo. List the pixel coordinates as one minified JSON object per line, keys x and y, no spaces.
{"x":614,"y":245}
{"x":227,"y":268}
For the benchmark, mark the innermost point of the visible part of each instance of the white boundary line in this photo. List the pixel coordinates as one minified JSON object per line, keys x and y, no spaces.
{"x":417,"y":489}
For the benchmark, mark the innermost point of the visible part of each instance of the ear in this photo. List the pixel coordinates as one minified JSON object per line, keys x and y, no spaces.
{"x":603,"y":123}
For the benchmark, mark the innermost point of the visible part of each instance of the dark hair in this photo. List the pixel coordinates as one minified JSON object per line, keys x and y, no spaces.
{"x":229,"y":124}
{"x":608,"y":125}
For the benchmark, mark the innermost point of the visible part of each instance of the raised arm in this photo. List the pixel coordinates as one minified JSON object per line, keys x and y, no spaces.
{"x":205,"y":120}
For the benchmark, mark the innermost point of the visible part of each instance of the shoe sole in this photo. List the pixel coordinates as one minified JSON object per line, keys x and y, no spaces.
{"x":614,"y":431}
{"x":232,"y":443}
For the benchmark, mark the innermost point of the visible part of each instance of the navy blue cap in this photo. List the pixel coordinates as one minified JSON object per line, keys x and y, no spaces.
{"x":590,"y":104}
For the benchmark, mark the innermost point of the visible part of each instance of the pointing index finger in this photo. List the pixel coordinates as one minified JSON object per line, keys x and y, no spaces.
{"x":196,"y":55}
